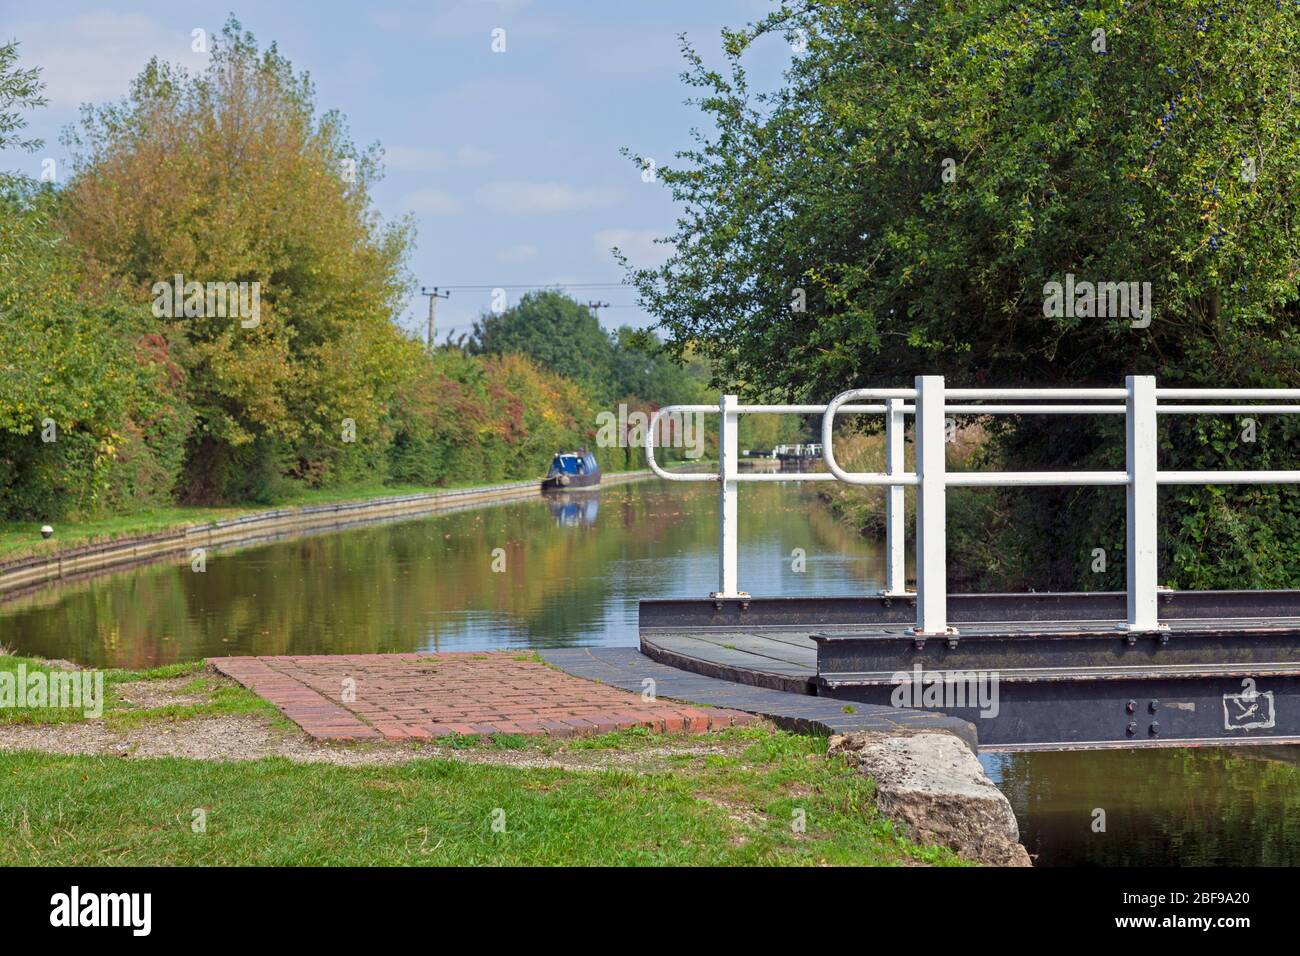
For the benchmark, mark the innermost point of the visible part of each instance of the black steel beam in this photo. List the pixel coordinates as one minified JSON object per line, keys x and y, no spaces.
{"x":1023,"y":645}
{"x":1118,"y":713}
{"x":820,"y":612}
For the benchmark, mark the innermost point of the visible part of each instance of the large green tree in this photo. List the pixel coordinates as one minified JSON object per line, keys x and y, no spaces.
{"x":88,"y":408}
{"x":232,"y":175}
{"x":902,"y":203}
{"x":560,"y":334}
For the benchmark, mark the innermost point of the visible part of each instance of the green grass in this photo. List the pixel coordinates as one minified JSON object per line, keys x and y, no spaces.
{"x":222,"y":698}
{"x":705,"y":810}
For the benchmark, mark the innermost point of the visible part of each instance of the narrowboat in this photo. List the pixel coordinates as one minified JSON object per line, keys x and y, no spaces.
{"x":571,"y":470}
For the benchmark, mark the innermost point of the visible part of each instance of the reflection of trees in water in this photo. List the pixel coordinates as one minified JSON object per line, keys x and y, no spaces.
{"x":1174,"y":807}
{"x":409,"y":585}
{"x":385,"y":588}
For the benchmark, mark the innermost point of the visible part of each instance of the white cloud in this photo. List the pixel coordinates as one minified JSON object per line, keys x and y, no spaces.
{"x":413,"y":158}
{"x":423,"y":159}
{"x":519,"y":253}
{"x":637,"y":244}
{"x":92,"y":57}
{"x":434,"y":202}
{"x":517,"y":196}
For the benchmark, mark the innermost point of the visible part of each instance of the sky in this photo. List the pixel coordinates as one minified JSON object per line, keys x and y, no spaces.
{"x":509,"y":160}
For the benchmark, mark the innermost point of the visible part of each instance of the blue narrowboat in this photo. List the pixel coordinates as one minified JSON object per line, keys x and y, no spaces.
{"x":570,"y":470}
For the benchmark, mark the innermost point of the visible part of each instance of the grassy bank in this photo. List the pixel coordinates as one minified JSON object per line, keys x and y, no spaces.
{"x":19,"y":539}
{"x":861,"y":508}
{"x":740,"y":807}
{"x":218,"y":696}
{"x":112,"y":790}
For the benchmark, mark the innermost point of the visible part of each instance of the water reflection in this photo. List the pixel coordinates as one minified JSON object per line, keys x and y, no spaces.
{"x":430,"y":584}
{"x":571,"y":509}
{"x":1237,"y":806}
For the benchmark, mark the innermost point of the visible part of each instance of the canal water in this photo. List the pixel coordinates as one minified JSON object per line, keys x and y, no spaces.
{"x":569,"y":572}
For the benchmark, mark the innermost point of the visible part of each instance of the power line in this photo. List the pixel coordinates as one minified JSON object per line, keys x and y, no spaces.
{"x":541,"y":285}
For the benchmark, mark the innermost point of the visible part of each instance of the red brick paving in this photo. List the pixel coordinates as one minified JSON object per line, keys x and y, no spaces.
{"x":419,"y":696}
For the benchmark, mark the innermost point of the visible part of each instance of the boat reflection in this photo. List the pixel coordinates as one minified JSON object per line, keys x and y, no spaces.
{"x":572,"y":510}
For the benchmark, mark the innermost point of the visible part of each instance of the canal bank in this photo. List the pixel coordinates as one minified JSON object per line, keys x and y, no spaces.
{"x":423,"y":711}
{"x":509,"y":711}
{"x":81,"y":561}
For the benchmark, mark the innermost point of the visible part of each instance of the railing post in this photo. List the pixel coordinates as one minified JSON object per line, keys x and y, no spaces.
{"x":895,"y":553}
{"x":1141,"y":502}
{"x":931,"y":517}
{"x":727,"y":509}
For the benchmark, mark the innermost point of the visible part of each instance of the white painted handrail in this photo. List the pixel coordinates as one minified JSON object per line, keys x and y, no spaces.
{"x":929,"y":404}
{"x":650,"y":444}
{"x":730,"y":477}
{"x":1141,"y":479}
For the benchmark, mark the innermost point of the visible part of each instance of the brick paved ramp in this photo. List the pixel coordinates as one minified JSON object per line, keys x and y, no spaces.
{"x":419,"y":696}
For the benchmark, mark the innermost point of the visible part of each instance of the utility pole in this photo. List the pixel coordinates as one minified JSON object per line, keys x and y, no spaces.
{"x":434,"y":295}
{"x":596,"y":307}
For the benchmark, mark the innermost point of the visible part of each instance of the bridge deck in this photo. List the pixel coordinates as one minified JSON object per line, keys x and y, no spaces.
{"x":778,"y":659}
{"x":1225,"y":668}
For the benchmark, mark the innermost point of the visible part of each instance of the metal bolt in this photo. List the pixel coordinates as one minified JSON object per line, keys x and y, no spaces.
{"x":1155,"y":729}
{"x":1154,"y":705}
{"x":1131,"y":706}
{"x":1132,"y":727}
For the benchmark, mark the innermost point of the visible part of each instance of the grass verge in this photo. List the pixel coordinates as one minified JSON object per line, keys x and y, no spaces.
{"x":741,"y":806}
{"x":219,"y":697}
{"x":20,"y":539}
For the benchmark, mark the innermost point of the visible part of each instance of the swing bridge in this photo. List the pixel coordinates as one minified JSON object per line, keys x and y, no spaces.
{"x":1147,"y":666}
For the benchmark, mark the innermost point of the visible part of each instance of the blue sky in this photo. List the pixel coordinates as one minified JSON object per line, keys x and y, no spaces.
{"x":510,"y":161}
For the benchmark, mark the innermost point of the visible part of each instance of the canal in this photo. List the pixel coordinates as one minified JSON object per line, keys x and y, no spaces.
{"x":569,"y":572}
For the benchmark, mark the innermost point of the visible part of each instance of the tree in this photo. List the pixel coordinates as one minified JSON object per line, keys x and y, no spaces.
{"x":643,"y":368}
{"x":904,"y":201}
{"x":88,"y":410}
{"x":465,"y":418}
{"x":559,"y":334}
{"x":19,"y":90}
{"x":231,"y":176}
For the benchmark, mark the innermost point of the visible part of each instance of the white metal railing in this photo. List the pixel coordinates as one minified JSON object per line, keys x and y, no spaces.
{"x":928,"y":403}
